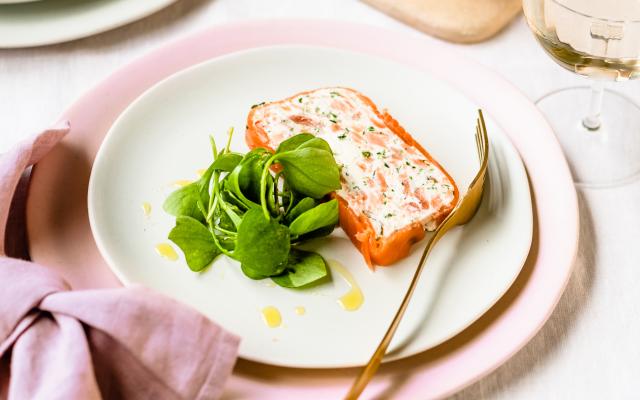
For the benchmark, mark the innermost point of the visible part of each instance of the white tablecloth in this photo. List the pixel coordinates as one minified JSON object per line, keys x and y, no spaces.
{"x":589,"y":349}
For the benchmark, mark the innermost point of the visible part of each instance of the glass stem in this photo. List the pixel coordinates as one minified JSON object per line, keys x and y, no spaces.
{"x":592,"y":121}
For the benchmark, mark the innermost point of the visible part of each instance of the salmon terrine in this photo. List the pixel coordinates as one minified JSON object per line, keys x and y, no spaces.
{"x":392,"y":189}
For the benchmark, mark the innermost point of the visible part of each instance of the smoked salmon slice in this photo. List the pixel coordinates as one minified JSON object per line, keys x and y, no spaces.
{"x":392,"y":189}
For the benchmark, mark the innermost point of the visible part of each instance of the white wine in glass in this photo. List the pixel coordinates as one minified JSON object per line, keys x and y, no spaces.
{"x":598,"y":129}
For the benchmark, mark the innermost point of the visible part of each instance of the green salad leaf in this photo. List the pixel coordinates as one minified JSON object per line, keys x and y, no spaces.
{"x":244,"y":179}
{"x":322,"y":215}
{"x":227,"y":162}
{"x":184,"y":201}
{"x":262,"y":244}
{"x":293,"y":142}
{"x":251,"y":273}
{"x":303,"y":268}
{"x":303,"y":205}
{"x":310,"y":171}
{"x":195,"y":241}
{"x":241,"y":209}
{"x":318,"y":233}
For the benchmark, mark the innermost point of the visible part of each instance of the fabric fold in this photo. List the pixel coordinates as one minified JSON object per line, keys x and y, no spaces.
{"x":56,"y":343}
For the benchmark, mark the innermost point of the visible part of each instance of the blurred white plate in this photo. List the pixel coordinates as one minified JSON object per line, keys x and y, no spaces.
{"x":163,"y":137}
{"x":36,"y":23}
{"x":16,"y":1}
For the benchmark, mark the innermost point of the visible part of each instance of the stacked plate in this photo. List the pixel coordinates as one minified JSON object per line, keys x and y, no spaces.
{"x":26,"y":23}
{"x":489,"y":285}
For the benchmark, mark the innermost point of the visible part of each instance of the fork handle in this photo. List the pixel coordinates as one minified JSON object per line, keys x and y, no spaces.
{"x":374,"y":362}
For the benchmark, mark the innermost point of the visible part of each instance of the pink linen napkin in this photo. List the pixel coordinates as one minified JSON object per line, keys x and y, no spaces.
{"x":125,"y":343}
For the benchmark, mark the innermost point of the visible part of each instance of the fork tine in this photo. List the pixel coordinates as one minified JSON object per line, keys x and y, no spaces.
{"x":484,"y":136}
{"x":478,"y":142}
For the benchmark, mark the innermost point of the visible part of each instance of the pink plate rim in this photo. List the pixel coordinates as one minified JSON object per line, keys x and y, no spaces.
{"x":512,"y":322}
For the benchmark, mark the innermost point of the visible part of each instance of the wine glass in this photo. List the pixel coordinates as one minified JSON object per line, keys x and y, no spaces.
{"x":599,"y":129}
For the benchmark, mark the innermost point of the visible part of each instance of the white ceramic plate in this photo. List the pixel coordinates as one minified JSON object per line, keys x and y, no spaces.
{"x":16,"y":1}
{"x":36,"y":23}
{"x":162,"y":137}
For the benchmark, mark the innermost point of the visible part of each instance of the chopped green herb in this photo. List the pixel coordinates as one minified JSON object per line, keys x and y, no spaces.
{"x":257,"y":105}
{"x":371,"y":129}
{"x":386,"y":165}
{"x":366,"y":154}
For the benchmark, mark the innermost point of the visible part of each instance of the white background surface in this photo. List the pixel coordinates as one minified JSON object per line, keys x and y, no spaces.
{"x":589,"y":349}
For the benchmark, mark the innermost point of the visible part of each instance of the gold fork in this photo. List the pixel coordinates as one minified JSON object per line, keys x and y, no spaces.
{"x":461,"y":214}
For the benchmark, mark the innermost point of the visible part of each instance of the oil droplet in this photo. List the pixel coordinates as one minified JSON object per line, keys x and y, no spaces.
{"x":201,"y":172}
{"x":146,"y":208}
{"x":300,"y":310}
{"x":166,"y":251}
{"x":271,"y":317}
{"x":353,"y":299}
{"x":181,"y":182}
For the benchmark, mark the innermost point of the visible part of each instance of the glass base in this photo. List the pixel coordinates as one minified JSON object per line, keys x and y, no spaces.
{"x":604,"y":157}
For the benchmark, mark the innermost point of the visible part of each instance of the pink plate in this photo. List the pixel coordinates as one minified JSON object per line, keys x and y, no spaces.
{"x":60,"y":236}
